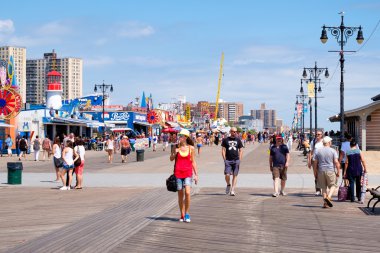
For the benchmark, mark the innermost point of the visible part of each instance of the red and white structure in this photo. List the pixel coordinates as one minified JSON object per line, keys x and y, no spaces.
{"x":54,"y":90}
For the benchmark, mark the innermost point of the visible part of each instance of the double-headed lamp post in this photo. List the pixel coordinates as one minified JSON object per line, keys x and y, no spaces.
{"x":314,"y":75}
{"x":303,"y":96}
{"x":342,"y":33}
{"x":103,"y":88}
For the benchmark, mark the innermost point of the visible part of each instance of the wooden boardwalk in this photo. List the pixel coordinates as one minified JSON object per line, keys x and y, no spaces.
{"x":252,"y":221}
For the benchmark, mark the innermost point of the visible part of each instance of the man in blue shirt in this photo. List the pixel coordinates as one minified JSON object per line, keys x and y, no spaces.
{"x":278,"y":162}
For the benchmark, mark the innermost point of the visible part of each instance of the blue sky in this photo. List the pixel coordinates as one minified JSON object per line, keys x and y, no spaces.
{"x":171,"y":48}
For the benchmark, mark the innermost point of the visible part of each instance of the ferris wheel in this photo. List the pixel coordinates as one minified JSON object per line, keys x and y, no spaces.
{"x":10,"y":103}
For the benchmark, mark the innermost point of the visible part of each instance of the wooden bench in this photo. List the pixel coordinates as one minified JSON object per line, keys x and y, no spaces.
{"x":375,"y":195}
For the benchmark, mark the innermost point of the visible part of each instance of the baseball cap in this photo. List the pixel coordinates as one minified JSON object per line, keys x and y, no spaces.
{"x":326,"y":139}
{"x":278,"y":137}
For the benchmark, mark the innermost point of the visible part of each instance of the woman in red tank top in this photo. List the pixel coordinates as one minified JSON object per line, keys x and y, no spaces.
{"x":184,"y":167}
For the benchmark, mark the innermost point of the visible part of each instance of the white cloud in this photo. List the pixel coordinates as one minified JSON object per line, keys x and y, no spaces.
{"x":101,"y":41}
{"x":135,"y":30}
{"x":53,"y":28}
{"x":98,"y":61}
{"x":146,"y":62}
{"x":31,"y":41}
{"x":269,"y":54}
{"x":6,"y":26}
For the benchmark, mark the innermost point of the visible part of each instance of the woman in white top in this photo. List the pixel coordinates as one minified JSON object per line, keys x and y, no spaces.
{"x":68,"y":164}
{"x":109,"y":149}
{"x":79,"y":149}
{"x":57,"y":154}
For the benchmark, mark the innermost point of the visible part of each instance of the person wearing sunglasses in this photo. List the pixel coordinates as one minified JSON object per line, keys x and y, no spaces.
{"x":278,"y":162}
{"x":185,"y":168}
{"x":232,"y":153}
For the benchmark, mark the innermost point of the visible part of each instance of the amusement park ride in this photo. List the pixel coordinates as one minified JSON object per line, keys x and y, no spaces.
{"x":10,"y":98}
{"x":219,"y":84}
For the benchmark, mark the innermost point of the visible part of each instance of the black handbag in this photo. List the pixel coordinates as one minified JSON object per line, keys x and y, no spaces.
{"x":171,"y":183}
{"x":58,"y":162}
{"x":77,"y":162}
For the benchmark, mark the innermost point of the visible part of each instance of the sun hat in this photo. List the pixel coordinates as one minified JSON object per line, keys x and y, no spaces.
{"x":185,"y":132}
{"x":125,"y":137}
{"x":326,"y":139}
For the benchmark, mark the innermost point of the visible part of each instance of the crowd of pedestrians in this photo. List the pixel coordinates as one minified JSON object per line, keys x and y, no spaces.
{"x":327,"y":163}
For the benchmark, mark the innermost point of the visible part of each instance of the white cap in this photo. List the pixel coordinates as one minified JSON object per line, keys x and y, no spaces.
{"x":326,"y":139}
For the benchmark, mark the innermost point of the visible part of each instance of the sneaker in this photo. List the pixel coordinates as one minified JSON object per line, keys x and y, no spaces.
{"x":317,"y":193}
{"x":187,"y":218}
{"x":328,"y":201}
{"x":228,"y":188}
{"x":68,"y":188}
{"x":282,"y":193}
{"x":181,"y":219}
{"x":63,"y":188}
{"x":232,"y":193}
{"x":275,"y":195}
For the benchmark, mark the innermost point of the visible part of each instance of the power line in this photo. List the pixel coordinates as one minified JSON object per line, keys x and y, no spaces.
{"x":332,"y":76}
{"x":366,"y":41}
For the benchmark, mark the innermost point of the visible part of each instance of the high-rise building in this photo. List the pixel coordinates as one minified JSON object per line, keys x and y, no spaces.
{"x":231,"y":111}
{"x":267,"y":115}
{"x":19,"y":60}
{"x":70,"y":68}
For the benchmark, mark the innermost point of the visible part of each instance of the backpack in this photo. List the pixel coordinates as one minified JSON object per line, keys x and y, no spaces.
{"x":22,"y":144}
{"x":36,"y":145}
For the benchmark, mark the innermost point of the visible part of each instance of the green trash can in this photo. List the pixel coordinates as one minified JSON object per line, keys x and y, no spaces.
{"x":140,"y":155}
{"x":14,"y":172}
{"x":133,"y":146}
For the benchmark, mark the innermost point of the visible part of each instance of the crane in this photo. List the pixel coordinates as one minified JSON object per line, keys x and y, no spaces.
{"x":219,"y":83}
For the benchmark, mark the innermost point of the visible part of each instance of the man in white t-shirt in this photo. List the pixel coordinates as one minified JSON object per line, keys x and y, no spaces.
{"x":315,"y":144}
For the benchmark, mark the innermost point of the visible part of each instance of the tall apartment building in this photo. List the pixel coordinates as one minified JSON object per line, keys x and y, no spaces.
{"x":36,"y":77}
{"x":19,"y":59}
{"x":231,"y":111}
{"x":267,"y":115}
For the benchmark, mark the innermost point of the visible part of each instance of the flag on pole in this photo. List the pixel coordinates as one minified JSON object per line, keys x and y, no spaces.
{"x":310,"y":90}
{"x":10,"y":69}
{"x":3,"y":72}
{"x":143,"y":100}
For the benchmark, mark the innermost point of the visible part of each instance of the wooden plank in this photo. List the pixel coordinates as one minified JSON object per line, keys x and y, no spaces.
{"x":99,"y":232}
{"x":253,"y":222}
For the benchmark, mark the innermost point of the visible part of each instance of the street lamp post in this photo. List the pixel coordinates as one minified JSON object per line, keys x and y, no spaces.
{"x":302,"y":97}
{"x":311,"y":118}
{"x":342,"y":33}
{"x":103,"y":88}
{"x":314,"y":75}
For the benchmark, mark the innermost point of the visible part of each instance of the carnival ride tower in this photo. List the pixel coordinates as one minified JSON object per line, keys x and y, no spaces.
{"x":54,"y":90}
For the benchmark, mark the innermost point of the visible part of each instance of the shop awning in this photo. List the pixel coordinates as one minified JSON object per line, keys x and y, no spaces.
{"x":120,"y":129}
{"x":80,"y":122}
{"x":2,"y":124}
{"x":171,"y":124}
{"x":142,"y":123}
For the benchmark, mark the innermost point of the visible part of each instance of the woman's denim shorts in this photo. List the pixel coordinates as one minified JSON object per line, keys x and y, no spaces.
{"x":68,"y":167}
{"x":182,"y":182}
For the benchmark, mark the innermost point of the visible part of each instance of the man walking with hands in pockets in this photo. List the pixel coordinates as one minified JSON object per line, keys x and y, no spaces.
{"x":232,"y":153}
{"x":278,"y":163}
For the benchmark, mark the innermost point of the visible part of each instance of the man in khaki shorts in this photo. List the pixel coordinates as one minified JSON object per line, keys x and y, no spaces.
{"x":326,"y":170}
